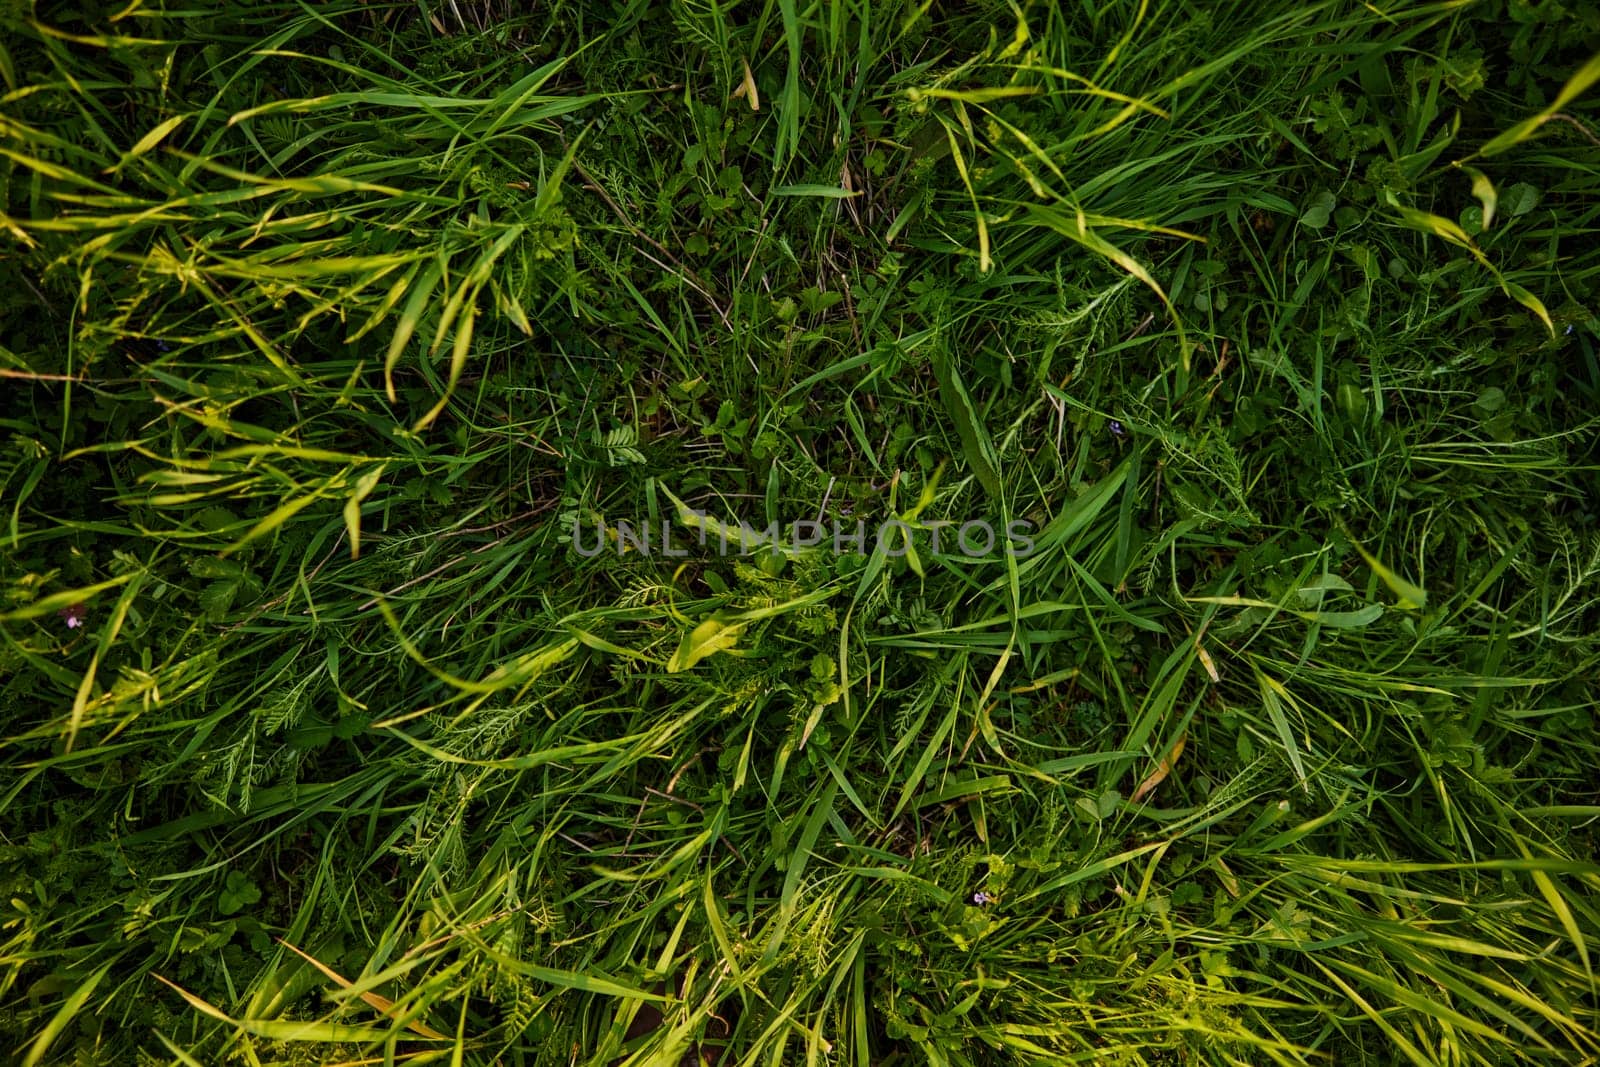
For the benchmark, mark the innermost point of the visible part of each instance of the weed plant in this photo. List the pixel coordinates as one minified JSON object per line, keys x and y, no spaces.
{"x":324,"y":324}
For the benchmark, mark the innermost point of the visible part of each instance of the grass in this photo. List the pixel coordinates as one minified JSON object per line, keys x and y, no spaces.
{"x":327,"y":324}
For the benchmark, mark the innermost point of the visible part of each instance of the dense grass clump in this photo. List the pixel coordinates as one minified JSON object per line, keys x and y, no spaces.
{"x":329,"y":326}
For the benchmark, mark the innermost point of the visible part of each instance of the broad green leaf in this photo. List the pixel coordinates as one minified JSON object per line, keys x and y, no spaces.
{"x":708,"y":638}
{"x":352,"y":507}
{"x":974,"y":438}
{"x":1273,"y":696}
{"x":1483,"y":189}
{"x":1438,"y":225}
{"x":1411,"y":596}
{"x":217,"y":597}
{"x":150,"y":140}
{"x":1521,"y":198}
{"x":1532,"y":303}
{"x":974,"y":96}
{"x":1349,"y":620}
{"x":827,"y":192}
{"x":1315,"y":589}
{"x":1319,"y":210}
{"x":412,"y":314}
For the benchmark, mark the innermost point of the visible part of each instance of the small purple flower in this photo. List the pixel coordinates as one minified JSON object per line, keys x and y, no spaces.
{"x":73,"y":616}
{"x":981,"y":898}
{"x":1116,"y":428}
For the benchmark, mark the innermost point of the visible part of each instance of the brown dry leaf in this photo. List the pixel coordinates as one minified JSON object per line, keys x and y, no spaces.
{"x":1226,"y":877}
{"x":1163,"y":769}
{"x":747,"y":88}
